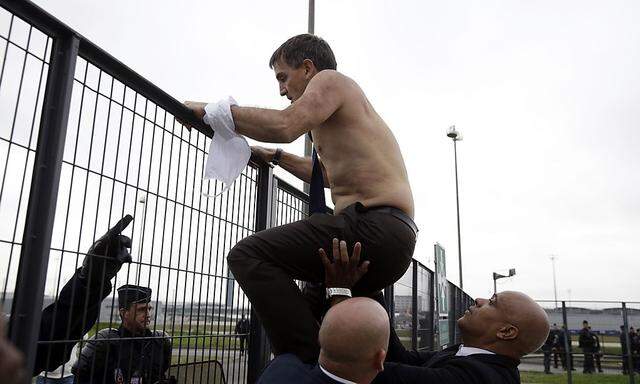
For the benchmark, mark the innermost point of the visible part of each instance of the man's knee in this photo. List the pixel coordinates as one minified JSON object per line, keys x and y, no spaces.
{"x":242,"y":257}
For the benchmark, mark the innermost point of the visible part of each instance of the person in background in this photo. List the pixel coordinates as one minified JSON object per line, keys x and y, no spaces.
{"x":585,"y":342}
{"x":556,"y":347}
{"x":243,"y":327}
{"x":547,"y":348}
{"x":597,"y":350}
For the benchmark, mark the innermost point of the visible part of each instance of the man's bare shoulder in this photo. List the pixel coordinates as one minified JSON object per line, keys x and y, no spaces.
{"x":334,"y":79}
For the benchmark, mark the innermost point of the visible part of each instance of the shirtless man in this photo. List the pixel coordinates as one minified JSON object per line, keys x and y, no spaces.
{"x":363,"y":167}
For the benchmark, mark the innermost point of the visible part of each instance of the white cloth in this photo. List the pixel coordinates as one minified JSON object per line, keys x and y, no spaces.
{"x":334,"y":377}
{"x":466,"y":351}
{"x":229,"y":152}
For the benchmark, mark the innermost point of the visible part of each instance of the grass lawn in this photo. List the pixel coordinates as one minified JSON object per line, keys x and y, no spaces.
{"x":578,"y":378}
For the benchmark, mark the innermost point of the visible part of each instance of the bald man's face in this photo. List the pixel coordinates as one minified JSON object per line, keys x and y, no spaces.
{"x":484,"y":319}
{"x":510,"y":321}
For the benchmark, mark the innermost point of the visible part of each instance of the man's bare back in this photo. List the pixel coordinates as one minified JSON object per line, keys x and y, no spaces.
{"x":359,"y":152}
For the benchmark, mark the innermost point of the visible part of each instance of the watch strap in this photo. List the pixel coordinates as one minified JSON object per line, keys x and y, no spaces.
{"x":276,"y":157}
{"x":338,"y":292}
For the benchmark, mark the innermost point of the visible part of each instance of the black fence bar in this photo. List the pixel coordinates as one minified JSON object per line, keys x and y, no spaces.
{"x":628,"y":354}
{"x":414,"y":300}
{"x":258,"y":344}
{"x":567,"y":344}
{"x":34,"y":256}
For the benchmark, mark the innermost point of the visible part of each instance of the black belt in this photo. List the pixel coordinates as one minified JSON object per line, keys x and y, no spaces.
{"x":395,"y":212}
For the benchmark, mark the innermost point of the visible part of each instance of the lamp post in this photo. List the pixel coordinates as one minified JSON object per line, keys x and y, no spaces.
{"x":311,"y":23}
{"x":455,"y":137}
{"x":555,"y":288}
{"x":143,"y":201}
{"x":497,"y":276}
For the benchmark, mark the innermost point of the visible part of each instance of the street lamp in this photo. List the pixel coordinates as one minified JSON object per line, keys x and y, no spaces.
{"x":497,"y":276}
{"x":456,"y":136}
{"x":555,"y":287}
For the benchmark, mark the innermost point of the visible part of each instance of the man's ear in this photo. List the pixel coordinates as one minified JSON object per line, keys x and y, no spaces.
{"x":507,"y":332}
{"x":309,"y":68}
{"x":379,"y":360}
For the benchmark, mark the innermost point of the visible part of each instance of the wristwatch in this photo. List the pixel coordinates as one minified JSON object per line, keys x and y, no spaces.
{"x":276,"y":157}
{"x":338,"y":292}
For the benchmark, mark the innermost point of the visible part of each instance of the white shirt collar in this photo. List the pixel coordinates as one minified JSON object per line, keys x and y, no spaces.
{"x":334,"y":377}
{"x":466,"y":351}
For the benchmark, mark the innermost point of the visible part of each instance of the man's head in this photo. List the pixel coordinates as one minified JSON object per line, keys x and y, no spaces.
{"x":297,"y":60}
{"x":354,"y":338}
{"x":585,"y":324}
{"x":509,"y":323}
{"x":135,"y":307}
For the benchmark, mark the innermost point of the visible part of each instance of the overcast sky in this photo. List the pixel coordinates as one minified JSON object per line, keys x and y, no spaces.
{"x":545,"y":93}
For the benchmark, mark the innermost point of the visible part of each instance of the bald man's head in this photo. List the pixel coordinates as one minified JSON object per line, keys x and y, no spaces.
{"x":354,"y":337}
{"x":510,"y":323}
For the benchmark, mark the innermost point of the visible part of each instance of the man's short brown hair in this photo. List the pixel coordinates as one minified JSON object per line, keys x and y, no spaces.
{"x":298,"y":48}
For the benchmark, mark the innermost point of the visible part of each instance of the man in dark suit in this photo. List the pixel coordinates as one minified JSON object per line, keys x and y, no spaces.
{"x":353,"y":343}
{"x":496,"y":333}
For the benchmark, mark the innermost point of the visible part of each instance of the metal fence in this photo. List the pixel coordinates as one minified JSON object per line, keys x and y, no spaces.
{"x":594,"y":338}
{"x":84,"y":141}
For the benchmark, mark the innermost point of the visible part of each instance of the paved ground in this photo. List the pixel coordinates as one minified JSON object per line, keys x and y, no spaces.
{"x":233,"y":363}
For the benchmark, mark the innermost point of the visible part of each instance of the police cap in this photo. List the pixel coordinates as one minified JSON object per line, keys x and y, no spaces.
{"x":133,"y":294}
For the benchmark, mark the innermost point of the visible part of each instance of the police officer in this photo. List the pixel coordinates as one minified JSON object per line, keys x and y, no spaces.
{"x":131,"y":354}
{"x":585,"y":341}
{"x":547,"y":348}
{"x":243,"y":327}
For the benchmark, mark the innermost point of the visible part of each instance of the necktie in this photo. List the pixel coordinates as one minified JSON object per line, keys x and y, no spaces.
{"x":317,"y":203}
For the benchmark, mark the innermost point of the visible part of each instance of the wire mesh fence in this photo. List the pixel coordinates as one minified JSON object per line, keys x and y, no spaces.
{"x":25,"y":53}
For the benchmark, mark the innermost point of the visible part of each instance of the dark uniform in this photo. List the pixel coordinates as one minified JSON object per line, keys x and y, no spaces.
{"x":547,"y":348}
{"x":585,"y":341}
{"x":116,"y":356}
{"x":243,"y":327}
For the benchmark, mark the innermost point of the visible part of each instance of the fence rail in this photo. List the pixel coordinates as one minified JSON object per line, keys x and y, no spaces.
{"x":109,"y":143}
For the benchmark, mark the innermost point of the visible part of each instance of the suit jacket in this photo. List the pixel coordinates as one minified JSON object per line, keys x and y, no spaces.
{"x":288,"y":368}
{"x":444,"y":367}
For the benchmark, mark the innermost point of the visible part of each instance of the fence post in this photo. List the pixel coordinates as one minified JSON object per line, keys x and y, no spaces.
{"x":41,"y":211}
{"x":629,"y":352}
{"x":259,"y":349}
{"x":389,"y":299}
{"x":567,"y":345}
{"x":414,"y":305}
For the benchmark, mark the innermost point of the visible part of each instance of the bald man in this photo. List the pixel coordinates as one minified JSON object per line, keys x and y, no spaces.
{"x":496,"y":333}
{"x":353,"y":344}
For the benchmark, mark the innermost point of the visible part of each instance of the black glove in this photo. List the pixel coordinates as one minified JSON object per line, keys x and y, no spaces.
{"x":107,"y":254}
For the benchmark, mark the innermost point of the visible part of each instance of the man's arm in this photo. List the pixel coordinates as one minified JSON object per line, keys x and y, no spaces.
{"x":298,"y":166}
{"x":322,"y":97}
{"x":68,"y":319}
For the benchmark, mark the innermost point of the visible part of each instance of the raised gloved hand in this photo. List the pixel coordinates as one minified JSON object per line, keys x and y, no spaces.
{"x":107,"y":254}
